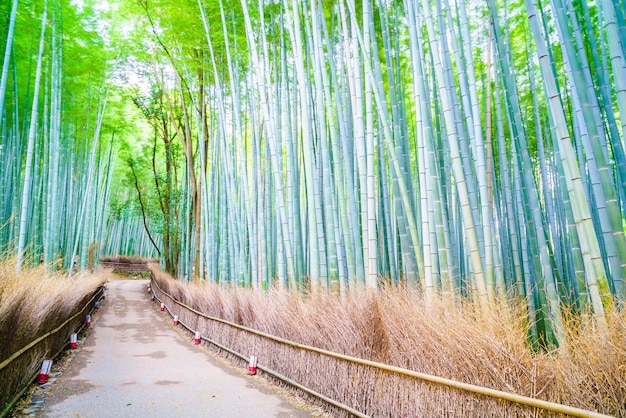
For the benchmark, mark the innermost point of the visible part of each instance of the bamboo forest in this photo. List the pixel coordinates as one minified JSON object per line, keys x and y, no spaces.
{"x":461,"y":149}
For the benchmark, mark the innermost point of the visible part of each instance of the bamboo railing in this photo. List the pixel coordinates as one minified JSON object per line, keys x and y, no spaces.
{"x":475,"y":389}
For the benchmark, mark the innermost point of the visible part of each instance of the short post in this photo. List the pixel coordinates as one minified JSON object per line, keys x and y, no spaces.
{"x":197,"y":338}
{"x":45,"y":371}
{"x":73,"y":340}
{"x":175,"y":319}
{"x":88,"y":321}
{"x":252,"y":365}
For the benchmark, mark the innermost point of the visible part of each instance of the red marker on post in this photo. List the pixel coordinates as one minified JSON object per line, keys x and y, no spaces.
{"x":45,"y":371}
{"x":252,"y":365}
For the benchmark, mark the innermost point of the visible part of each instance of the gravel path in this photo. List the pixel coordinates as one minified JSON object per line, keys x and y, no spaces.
{"x":134,"y":364}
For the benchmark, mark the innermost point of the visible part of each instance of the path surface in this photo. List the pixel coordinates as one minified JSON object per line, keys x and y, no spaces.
{"x":134,"y":364}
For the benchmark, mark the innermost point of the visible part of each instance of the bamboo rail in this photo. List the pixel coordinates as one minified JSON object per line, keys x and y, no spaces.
{"x":97,"y":295}
{"x":265,"y":369}
{"x":44,"y":336}
{"x":493,"y":393}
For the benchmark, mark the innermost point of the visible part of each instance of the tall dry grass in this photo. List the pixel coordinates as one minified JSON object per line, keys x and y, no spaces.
{"x":32,"y":303}
{"x":127,"y":259}
{"x":399,"y":328}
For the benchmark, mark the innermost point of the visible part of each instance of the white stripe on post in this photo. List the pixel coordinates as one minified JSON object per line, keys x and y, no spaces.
{"x":252,"y":365}
{"x":45,"y":371}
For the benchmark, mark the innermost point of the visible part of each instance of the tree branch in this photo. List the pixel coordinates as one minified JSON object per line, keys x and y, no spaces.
{"x":143,"y":211}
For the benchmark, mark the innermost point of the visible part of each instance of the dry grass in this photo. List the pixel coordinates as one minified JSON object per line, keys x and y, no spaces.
{"x":396,"y":327}
{"x":127,"y":265}
{"x":127,"y":259}
{"x":32,"y":303}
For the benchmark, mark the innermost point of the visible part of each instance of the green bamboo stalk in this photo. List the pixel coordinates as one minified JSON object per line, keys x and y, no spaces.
{"x":89,"y":185}
{"x":459,"y":174}
{"x":595,"y":274}
{"x":7,"y":56}
{"x":261,"y":66}
{"x":586,"y":107}
{"x":26,"y":190}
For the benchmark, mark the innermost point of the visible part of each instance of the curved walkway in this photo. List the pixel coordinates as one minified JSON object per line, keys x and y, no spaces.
{"x":134,"y":364}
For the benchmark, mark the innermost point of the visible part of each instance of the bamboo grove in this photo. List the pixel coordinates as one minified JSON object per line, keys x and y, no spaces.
{"x":53,"y":164}
{"x":457,"y":147}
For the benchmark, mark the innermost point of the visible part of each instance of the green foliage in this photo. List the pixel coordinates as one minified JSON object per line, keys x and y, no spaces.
{"x":438,"y":144}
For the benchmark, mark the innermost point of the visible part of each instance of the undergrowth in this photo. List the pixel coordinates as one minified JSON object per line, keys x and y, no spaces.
{"x":32,"y":303}
{"x":444,"y":338}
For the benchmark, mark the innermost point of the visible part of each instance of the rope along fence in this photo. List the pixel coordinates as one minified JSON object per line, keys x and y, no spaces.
{"x":395,"y":392}
{"x":19,"y":370}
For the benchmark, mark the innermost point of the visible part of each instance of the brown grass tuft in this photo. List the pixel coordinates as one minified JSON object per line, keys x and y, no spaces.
{"x":32,"y":303}
{"x":127,"y":259}
{"x":397,"y":327}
